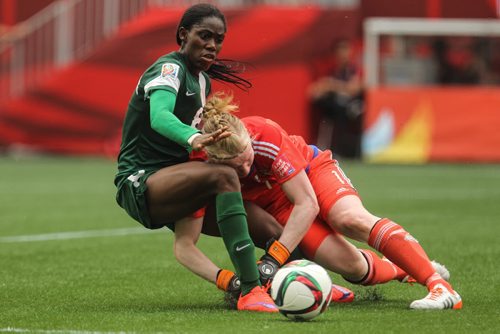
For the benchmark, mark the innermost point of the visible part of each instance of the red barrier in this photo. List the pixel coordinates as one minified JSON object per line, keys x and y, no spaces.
{"x":432,"y":124}
{"x":80,"y":110}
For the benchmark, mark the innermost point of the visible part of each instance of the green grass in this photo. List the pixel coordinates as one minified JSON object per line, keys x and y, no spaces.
{"x":133,"y":284}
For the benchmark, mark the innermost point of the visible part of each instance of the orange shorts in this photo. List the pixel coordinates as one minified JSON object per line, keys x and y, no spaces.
{"x":330,"y":184}
{"x":198,"y":213}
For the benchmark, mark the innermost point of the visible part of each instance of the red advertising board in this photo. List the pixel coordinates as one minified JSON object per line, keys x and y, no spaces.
{"x":418,"y":125}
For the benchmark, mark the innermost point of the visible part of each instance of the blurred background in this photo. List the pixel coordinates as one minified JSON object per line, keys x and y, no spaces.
{"x":386,"y":81}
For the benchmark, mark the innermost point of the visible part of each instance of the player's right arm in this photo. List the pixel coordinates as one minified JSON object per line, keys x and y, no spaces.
{"x":287,"y":164}
{"x":300,"y":193}
{"x":163,"y":120}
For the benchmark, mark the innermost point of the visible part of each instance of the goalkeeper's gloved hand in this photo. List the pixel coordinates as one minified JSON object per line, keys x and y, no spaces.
{"x":275,"y":256}
{"x":228,"y":282}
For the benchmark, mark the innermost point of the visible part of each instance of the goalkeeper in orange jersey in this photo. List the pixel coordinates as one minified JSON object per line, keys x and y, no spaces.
{"x":277,"y":171}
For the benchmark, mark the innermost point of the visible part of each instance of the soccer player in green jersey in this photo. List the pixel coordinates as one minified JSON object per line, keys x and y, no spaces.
{"x":156,"y":184}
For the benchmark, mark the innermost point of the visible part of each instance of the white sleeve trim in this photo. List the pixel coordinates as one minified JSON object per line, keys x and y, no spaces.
{"x":169,"y":77}
{"x":190,"y":139}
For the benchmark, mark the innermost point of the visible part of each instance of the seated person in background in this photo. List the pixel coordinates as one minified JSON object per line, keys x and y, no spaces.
{"x":338,"y":99}
{"x":461,"y":61}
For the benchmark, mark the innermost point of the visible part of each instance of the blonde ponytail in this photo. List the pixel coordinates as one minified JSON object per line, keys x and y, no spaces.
{"x":217,"y":113}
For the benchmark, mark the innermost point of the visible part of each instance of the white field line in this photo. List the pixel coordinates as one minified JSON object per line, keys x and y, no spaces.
{"x":75,"y":235}
{"x":60,"y":331}
{"x":47,"y":331}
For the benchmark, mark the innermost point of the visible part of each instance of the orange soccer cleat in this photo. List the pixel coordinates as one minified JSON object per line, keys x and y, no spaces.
{"x":257,"y":300}
{"x":341,"y":294}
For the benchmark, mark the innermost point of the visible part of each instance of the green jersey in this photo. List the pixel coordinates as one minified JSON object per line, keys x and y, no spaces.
{"x":142,"y":147}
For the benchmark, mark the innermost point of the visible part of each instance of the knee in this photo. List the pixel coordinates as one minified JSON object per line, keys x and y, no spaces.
{"x":353,"y":223}
{"x":358,"y":269}
{"x":226,"y":179}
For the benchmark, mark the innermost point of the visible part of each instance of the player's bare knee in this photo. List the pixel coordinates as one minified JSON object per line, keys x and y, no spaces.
{"x":226,"y":179}
{"x":351,"y":223}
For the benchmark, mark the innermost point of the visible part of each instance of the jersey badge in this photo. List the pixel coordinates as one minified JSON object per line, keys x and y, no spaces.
{"x":169,"y":70}
{"x":283,"y":167}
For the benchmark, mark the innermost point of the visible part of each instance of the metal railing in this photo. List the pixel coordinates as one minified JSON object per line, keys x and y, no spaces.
{"x":68,"y":30}
{"x":249,"y":3}
{"x":61,"y":33}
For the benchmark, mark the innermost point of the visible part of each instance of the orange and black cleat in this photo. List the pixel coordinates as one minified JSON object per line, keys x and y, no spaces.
{"x":341,"y":294}
{"x":257,"y":300}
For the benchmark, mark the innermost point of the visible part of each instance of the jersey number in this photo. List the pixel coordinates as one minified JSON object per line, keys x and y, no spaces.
{"x":134,"y":178}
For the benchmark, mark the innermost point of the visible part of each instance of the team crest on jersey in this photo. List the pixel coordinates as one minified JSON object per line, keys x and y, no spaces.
{"x":283,"y":167}
{"x":169,"y":70}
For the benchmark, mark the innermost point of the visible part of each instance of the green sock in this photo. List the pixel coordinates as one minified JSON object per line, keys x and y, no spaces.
{"x":232,"y":222}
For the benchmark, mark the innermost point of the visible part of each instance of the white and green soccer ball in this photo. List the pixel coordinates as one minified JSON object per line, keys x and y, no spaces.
{"x":301,"y":289}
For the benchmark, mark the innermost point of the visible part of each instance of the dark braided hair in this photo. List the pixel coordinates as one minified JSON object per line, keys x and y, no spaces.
{"x":225,"y":70}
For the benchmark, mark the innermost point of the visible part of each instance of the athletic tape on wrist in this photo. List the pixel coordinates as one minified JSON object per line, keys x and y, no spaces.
{"x":224,"y":277}
{"x":279,"y":252}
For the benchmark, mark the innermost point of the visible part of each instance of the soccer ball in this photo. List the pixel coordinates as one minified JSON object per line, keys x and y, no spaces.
{"x":301,"y":289}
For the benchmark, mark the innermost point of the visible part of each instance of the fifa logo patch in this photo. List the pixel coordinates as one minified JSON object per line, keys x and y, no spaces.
{"x":169,"y":70}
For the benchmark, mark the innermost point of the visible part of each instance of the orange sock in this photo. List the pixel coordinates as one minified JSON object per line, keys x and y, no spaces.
{"x":403,"y":250}
{"x":379,"y":271}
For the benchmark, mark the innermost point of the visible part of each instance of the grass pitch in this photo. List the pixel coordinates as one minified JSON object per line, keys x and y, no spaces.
{"x":71,"y":261}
